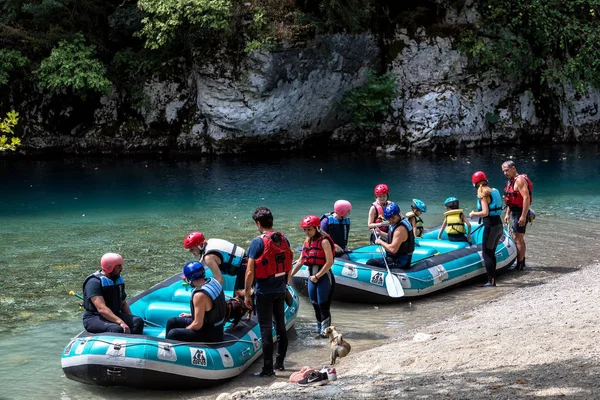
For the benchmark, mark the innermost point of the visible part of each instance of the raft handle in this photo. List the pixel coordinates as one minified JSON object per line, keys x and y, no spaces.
{"x":114,"y":371}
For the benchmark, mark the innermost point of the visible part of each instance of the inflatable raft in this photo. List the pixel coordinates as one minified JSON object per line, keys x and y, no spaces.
{"x":152,"y":362}
{"x":436,"y":265}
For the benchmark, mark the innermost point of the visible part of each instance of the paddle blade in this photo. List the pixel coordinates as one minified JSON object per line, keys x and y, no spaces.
{"x":393,"y":286}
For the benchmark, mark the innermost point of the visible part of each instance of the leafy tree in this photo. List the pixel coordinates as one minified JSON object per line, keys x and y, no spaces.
{"x":166,"y":17}
{"x":370,"y":103}
{"x":540,"y":42}
{"x":72,"y":65}
{"x":6,"y":128}
{"x":10,"y":60}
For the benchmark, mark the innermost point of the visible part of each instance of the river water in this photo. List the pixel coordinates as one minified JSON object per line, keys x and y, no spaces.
{"x":60,"y":216}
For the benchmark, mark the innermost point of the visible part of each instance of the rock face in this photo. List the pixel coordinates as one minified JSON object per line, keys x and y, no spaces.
{"x":283,"y":98}
{"x":291,"y":98}
{"x":292,"y":94}
{"x":445,"y":102}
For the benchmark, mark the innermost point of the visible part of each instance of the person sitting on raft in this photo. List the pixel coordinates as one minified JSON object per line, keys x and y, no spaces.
{"x":414,"y":216}
{"x":454,"y":222}
{"x":398,"y":242}
{"x":208,"y":308}
{"x":337,"y":225}
{"x":104,"y":300}
{"x":376,"y":218}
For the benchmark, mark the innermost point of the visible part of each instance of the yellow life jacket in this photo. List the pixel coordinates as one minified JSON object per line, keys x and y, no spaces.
{"x":418,"y":222}
{"x":454,"y":223}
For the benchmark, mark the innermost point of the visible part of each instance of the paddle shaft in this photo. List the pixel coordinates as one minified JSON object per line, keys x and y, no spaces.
{"x":393,"y":286}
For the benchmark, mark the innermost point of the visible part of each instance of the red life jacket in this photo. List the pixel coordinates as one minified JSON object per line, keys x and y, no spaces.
{"x":277,"y":257}
{"x":379,"y":210}
{"x":313,"y":253}
{"x":513,"y":197}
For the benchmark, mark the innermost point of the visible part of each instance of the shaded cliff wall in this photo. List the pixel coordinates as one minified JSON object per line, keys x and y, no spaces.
{"x":291,"y":99}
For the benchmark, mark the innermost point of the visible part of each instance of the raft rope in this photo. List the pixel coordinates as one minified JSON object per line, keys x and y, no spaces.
{"x":129,"y":344}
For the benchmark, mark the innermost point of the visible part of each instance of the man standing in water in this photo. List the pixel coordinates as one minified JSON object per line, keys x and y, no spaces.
{"x":269,"y":261}
{"x":106,"y":309}
{"x":518,"y":197}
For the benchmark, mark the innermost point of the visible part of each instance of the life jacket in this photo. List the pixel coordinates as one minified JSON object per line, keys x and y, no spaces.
{"x":418,"y":222}
{"x":513,"y":197}
{"x":379,"y":219}
{"x":454,"y":223}
{"x":338,"y":230}
{"x":231,"y":255}
{"x":277,"y":257}
{"x":495,"y":205}
{"x":112,"y":292}
{"x":214,"y":319}
{"x":408,"y":246}
{"x":313,"y":253}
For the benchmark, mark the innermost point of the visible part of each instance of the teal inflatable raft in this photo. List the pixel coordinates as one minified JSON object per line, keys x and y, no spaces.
{"x":150,"y":361}
{"x":436,"y":265}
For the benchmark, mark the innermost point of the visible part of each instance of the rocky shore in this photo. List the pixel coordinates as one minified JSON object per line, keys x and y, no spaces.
{"x":535,"y":342}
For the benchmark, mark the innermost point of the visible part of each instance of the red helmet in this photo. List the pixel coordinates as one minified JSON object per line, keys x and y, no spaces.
{"x":193,"y":239}
{"x":381,"y":189}
{"x":478,"y":177}
{"x":310,"y":220}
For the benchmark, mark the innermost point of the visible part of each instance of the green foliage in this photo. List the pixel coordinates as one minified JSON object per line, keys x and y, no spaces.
{"x":370,"y":103}
{"x":72,"y":65}
{"x":9,"y":61}
{"x":44,"y":7}
{"x":262,"y":30}
{"x":131,"y":69}
{"x":346,"y":15}
{"x":541,"y":43}
{"x":6,"y":128}
{"x":166,"y":17}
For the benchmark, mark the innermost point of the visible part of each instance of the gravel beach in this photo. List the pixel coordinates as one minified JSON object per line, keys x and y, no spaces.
{"x":534,"y":342}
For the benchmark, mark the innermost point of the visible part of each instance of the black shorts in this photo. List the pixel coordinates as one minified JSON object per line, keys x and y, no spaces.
{"x":516,"y":214}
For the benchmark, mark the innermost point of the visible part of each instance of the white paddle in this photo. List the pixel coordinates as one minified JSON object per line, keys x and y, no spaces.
{"x":392,"y":283}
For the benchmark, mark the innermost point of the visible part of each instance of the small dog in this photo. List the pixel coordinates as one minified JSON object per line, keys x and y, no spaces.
{"x":339,"y":347}
{"x":236,"y":308}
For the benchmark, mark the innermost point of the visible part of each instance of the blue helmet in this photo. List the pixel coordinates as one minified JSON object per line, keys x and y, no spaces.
{"x":194,"y":270}
{"x":391,"y":210}
{"x":419,"y":205}
{"x":451,"y":202}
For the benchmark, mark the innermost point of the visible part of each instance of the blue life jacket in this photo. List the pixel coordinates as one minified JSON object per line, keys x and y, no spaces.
{"x":495,"y":205}
{"x":408,"y":246}
{"x":214,"y":320}
{"x":338,"y":230}
{"x":112,"y":292}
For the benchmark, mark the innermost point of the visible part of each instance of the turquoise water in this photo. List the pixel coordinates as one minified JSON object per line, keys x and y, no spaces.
{"x":60,"y":216}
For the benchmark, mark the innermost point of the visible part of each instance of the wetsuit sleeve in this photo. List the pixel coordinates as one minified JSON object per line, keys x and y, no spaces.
{"x":256,"y":248}
{"x":92,"y":288}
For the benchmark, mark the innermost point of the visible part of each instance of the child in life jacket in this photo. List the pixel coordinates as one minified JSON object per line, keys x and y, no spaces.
{"x":414,"y":216}
{"x":454,"y":222}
